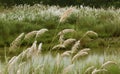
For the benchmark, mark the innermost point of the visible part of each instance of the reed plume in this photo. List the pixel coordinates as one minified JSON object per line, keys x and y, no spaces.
{"x":58,"y":46}
{"x":78,"y":55}
{"x":16,"y":43}
{"x":32,"y":50}
{"x":91,"y":34}
{"x":40,"y":32}
{"x":11,"y":60}
{"x":107,"y":64}
{"x":61,"y":39}
{"x":58,"y":59}
{"x":68,"y":42}
{"x":19,"y":71}
{"x":95,"y":71}
{"x":75,"y":47}
{"x":65,"y":31}
{"x":39,"y":48}
{"x":68,"y":69}
{"x":30,"y":35}
{"x":24,"y":53}
{"x":85,"y":50}
{"x":89,"y":70}
{"x":65,"y":15}
{"x":66,"y":53}
{"x":34,"y":46}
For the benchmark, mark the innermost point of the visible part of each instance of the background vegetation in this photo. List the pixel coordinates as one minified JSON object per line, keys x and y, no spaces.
{"x":25,"y":18}
{"x":92,"y":3}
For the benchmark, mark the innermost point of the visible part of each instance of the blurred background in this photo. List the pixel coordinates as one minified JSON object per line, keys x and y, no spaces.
{"x":91,"y":3}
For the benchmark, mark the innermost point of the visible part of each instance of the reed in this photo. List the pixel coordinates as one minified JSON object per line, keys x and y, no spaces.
{"x":16,"y":43}
{"x":78,"y":55}
{"x":58,"y":46}
{"x":39,"y":48}
{"x":58,"y":60}
{"x":40,"y":32}
{"x":89,"y":70}
{"x":75,"y":47}
{"x":66,"y":53}
{"x":95,"y":71}
{"x":106,"y":64}
{"x":90,"y":34}
{"x":68,"y":42}
{"x":65,"y":15}
{"x":67,"y":69}
{"x":30,"y":35}
{"x":61,"y":39}
{"x":65,"y":31}
{"x":85,"y":50}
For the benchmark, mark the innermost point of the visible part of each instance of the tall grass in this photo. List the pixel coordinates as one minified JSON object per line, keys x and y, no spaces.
{"x":57,"y":64}
{"x":78,"y":61}
{"x":78,"y":48}
{"x":103,"y":21}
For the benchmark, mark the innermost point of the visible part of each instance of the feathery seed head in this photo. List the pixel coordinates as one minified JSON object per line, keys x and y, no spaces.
{"x":11,"y":60}
{"x":69,"y":41}
{"x":89,"y":69}
{"x":58,"y":59}
{"x":91,"y":34}
{"x":34,"y":46}
{"x":66,"y":53}
{"x":95,"y":71}
{"x":66,"y":14}
{"x":30,"y":35}
{"x":39,"y":48}
{"x":68,"y":69}
{"x":58,"y":46}
{"x":61,"y":39}
{"x":85,"y":50}
{"x":65,"y":31}
{"x":40,"y":32}
{"x":75,"y":47}
{"x":107,"y":64}
{"x":16,"y":43}
{"x":78,"y":55}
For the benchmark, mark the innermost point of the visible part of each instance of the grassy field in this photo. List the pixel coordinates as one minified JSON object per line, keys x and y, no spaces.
{"x":53,"y":40}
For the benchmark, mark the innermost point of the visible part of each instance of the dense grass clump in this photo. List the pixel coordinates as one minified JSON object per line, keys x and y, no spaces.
{"x":25,"y":18}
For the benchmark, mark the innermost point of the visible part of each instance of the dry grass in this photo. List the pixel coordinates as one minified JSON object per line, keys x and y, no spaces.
{"x":66,"y":14}
{"x":40,"y":32}
{"x":68,"y":69}
{"x":108,"y":63}
{"x":58,"y":46}
{"x":95,"y":71}
{"x":65,"y":31}
{"x":89,"y":69}
{"x":75,"y":47}
{"x":78,"y":55}
{"x":30,"y":35}
{"x":68,"y":42}
{"x":16,"y":43}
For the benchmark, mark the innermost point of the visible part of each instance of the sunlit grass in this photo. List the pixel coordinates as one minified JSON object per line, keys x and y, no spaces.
{"x":90,"y":28}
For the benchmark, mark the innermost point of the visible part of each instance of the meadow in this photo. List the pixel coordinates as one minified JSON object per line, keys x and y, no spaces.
{"x":43,"y":39}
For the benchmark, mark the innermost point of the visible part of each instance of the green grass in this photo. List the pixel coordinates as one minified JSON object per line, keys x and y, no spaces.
{"x":28,"y":18}
{"x":19,"y":19}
